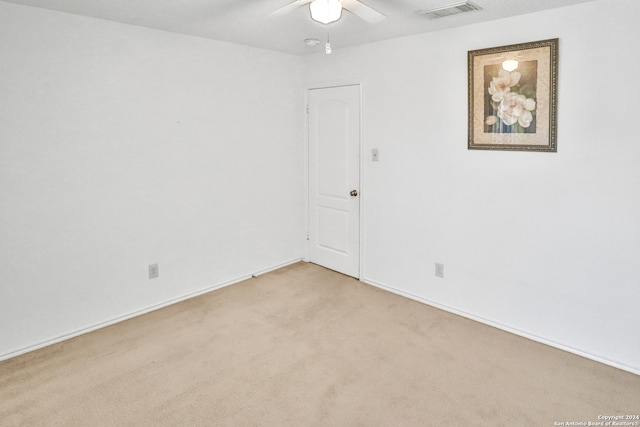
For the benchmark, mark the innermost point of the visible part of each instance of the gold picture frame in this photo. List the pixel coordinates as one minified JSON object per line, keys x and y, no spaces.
{"x":513,"y":97}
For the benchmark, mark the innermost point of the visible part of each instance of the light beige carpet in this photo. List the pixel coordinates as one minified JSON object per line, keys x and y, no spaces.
{"x":304,"y":346}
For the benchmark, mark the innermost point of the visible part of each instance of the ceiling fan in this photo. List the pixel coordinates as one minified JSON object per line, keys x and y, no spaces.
{"x":333,"y":9}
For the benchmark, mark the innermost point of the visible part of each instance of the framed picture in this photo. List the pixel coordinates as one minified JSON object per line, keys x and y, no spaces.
{"x":513,"y":97}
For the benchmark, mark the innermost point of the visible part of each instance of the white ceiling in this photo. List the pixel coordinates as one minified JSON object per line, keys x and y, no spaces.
{"x":248,"y":21}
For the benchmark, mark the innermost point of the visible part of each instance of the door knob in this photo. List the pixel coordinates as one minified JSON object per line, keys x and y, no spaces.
{"x":354,"y":193}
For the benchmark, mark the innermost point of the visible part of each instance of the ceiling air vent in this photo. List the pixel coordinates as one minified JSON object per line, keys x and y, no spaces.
{"x":452,"y":9}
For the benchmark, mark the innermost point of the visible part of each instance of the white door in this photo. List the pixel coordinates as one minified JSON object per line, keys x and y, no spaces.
{"x":334,"y":178}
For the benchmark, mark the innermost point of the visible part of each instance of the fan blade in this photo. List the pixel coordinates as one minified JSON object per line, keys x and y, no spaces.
{"x":289,"y":7}
{"x":363,"y":11}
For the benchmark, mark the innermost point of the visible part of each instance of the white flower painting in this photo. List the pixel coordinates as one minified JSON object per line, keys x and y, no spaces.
{"x":510,"y":98}
{"x":513,"y":97}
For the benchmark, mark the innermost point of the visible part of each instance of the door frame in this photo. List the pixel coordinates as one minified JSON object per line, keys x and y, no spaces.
{"x":362,"y":189}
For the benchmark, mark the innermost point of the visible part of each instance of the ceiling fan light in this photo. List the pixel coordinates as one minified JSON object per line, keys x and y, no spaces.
{"x":325,"y":11}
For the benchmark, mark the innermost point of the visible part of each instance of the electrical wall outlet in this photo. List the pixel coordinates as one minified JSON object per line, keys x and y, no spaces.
{"x":154,"y":272}
{"x":439,"y":270}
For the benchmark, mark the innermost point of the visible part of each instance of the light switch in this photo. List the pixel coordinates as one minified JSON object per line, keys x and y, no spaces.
{"x":374,"y":155}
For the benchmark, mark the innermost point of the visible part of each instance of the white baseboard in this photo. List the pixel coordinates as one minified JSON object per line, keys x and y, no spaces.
{"x":506,"y":328}
{"x":276,"y":267}
{"x":146,"y":310}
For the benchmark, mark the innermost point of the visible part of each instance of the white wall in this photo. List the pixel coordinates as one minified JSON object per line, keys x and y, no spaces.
{"x":122,"y":146}
{"x":543,"y":244}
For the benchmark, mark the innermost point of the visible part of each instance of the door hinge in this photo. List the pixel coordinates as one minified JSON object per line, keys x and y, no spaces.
{"x":307,"y":109}
{"x":308,"y":236}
